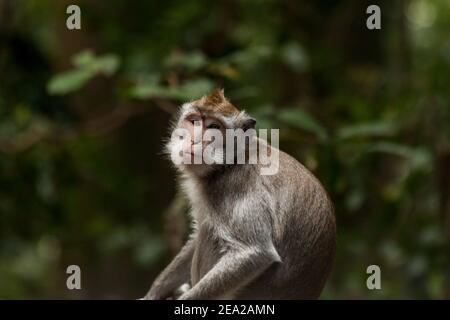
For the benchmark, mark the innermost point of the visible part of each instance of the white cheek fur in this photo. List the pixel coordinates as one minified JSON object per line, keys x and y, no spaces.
{"x":175,"y":148}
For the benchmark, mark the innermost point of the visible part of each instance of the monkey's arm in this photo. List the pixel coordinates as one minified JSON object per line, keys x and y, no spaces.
{"x":235,"y":269}
{"x":175,"y":274}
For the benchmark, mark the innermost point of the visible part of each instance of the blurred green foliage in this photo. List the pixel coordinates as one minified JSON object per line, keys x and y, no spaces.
{"x":83,"y":117}
{"x":87,"y":67}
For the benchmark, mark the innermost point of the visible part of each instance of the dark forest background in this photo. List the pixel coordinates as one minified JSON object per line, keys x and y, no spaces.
{"x":83,"y":116}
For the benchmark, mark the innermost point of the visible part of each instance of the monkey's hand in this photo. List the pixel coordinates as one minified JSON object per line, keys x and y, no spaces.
{"x":156,"y":294}
{"x":160,"y":290}
{"x":236,"y":268}
{"x":176,"y":274}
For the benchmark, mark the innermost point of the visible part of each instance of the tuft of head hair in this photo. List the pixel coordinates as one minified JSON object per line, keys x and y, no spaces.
{"x":215,"y":101}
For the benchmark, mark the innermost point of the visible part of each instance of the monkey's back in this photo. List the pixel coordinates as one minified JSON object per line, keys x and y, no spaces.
{"x":304,"y":236}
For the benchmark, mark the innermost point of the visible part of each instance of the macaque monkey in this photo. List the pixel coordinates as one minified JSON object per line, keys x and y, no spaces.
{"x":254,"y":236}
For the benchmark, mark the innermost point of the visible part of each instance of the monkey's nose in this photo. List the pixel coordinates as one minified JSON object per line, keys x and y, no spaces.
{"x":196,"y":141}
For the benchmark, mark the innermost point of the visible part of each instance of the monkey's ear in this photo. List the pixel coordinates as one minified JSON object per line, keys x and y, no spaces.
{"x":216,"y":97}
{"x":249,"y":123}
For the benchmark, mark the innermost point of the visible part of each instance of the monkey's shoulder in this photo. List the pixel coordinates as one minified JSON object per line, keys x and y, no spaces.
{"x":291,"y":173}
{"x":296,"y":189}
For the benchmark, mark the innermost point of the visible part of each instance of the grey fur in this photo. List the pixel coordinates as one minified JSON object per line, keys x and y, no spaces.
{"x":255,"y":236}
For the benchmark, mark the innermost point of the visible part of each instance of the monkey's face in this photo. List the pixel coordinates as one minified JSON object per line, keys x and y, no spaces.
{"x":197,"y":142}
{"x":199,"y":139}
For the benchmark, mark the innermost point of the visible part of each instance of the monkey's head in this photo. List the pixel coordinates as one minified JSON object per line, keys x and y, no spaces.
{"x":199,"y":138}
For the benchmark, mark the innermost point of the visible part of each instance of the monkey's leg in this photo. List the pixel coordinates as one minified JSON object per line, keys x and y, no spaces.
{"x":234,"y":270}
{"x":176,"y":273}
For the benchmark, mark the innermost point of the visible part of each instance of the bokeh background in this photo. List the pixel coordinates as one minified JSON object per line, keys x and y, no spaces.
{"x":83,"y":117}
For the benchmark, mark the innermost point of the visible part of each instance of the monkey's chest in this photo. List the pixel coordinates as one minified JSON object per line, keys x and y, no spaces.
{"x":208,"y":251}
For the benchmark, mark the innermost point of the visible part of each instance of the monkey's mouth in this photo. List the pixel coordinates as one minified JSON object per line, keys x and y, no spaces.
{"x":192,"y":155}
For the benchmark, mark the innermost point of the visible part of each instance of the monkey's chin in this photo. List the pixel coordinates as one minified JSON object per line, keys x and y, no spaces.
{"x":186,"y":164}
{"x":199,"y":170}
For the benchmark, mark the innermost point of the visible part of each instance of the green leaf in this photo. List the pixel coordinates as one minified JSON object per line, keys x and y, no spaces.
{"x":295,"y":56}
{"x":366,"y":130}
{"x":302,"y":120}
{"x":195,"y":88}
{"x":83,"y":58}
{"x":107,"y":64}
{"x":419,"y":158}
{"x":251,"y":56}
{"x":68,"y":81}
{"x":148,"y":90}
{"x":190,"y":90}
{"x":87,"y":65}
{"x":191,"y":61}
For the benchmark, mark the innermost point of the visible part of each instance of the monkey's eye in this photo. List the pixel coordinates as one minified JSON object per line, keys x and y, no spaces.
{"x":213,"y":125}
{"x":194,"y":120}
